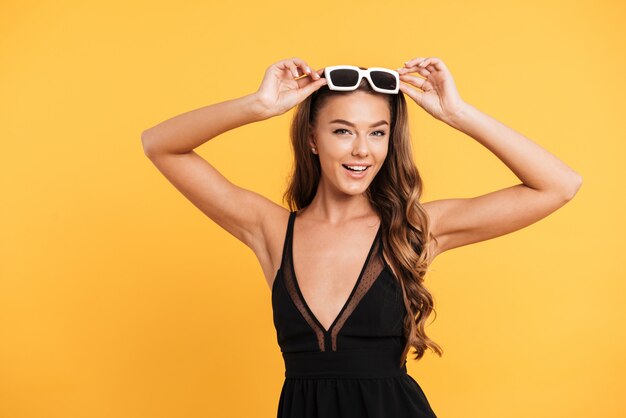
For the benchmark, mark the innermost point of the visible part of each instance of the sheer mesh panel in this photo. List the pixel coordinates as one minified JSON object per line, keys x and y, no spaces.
{"x":293,"y":292}
{"x":373,"y":269}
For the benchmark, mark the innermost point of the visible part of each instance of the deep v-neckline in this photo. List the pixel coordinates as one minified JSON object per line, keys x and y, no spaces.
{"x":352,"y":292}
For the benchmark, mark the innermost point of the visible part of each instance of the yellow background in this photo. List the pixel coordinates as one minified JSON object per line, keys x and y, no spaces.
{"x":118,"y":298}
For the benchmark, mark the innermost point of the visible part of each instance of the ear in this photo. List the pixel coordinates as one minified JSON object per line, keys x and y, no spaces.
{"x":312,"y":140}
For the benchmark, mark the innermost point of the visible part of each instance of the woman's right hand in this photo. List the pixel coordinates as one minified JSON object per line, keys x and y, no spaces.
{"x":280,"y":91}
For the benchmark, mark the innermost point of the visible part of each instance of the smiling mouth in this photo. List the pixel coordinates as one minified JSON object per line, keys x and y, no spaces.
{"x":355,"y":170}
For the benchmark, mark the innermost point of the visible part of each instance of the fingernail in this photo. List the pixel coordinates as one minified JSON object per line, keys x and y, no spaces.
{"x":308,"y":70}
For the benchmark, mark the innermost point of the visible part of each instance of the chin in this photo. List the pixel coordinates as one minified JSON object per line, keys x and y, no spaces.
{"x":355,"y":189}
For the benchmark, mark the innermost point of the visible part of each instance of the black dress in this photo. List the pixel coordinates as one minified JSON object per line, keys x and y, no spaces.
{"x":353,"y":368}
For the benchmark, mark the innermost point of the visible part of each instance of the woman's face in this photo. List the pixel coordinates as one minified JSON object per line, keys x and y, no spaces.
{"x":351,"y":129}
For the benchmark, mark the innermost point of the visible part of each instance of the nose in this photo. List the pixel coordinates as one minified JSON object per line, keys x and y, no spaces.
{"x":360,"y":146}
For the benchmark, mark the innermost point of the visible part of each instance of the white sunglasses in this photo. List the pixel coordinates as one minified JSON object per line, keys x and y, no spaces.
{"x":348,"y":77}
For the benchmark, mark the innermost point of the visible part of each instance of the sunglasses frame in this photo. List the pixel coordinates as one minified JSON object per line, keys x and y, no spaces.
{"x":362,"y":73}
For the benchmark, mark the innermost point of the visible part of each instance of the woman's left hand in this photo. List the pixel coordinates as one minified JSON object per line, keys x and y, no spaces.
{"x":439,"y":95}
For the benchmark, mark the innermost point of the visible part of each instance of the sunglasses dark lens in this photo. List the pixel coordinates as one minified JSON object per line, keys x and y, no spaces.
{"x":383,"y":80}
{"x":344,"y":78}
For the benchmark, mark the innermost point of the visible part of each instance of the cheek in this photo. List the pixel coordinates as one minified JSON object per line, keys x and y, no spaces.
{"x":382,"y":150}
{"x":335,"y":152}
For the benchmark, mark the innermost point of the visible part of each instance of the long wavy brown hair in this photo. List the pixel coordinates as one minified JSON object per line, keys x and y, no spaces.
{"x":394,"y":193}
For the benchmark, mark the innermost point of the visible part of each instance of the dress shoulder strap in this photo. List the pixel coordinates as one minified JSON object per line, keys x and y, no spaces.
{"x":288,"y":235}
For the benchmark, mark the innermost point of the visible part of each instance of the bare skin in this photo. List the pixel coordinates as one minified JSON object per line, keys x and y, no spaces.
{"x":339,"y":225}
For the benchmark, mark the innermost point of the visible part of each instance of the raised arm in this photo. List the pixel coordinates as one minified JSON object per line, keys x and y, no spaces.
{"x":170,"y":146}
{"x":547,"y":182}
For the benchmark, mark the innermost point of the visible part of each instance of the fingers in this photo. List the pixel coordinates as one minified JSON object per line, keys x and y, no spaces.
{"x":307,"y":84}
{"x":299,"y":67}
{"x":423,"y":65}
{"x":416,"y":81}
{"x":413,"y":62}
{"x":314,"y":85}
{"x":423,"y":62}
{"x":301,"y":72}
{"x":421,"y":71}
{"x":308,"y":87}
{"x":414,"y":94}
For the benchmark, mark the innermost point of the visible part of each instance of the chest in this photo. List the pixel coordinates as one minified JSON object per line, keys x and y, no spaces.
{"x":327,"y":271}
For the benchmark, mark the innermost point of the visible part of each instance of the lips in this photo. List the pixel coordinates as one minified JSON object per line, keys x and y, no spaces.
{"x":347,"y":167}
{"x":355,"y":174}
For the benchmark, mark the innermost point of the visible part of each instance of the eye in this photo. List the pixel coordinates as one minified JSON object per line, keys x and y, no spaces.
{"x":341,"y":129}
{"x":379,"y":133}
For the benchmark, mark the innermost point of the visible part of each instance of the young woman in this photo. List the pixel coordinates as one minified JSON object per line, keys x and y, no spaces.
{"x":346,"y":263}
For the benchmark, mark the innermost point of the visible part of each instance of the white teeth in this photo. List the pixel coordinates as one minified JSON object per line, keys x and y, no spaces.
{"x":357,"y":168}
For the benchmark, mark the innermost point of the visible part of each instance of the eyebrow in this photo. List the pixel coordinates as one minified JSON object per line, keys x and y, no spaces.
{"x":345,"y":122}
